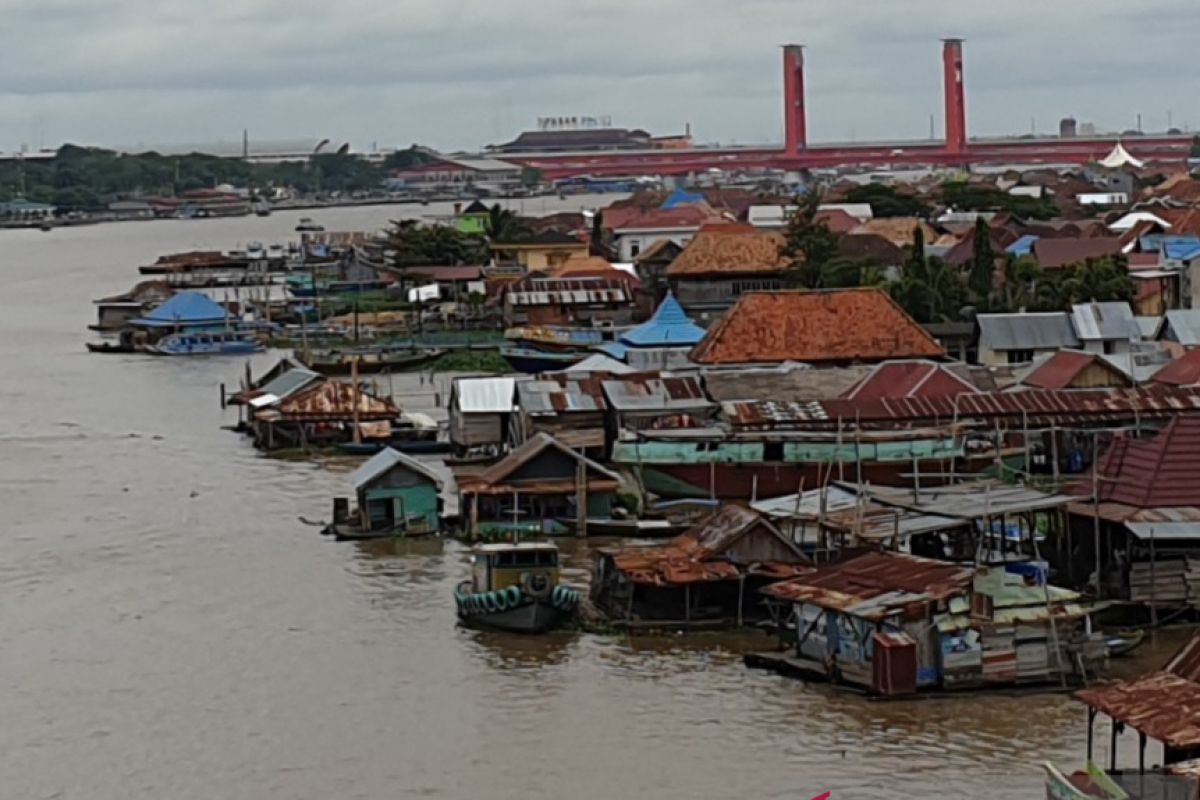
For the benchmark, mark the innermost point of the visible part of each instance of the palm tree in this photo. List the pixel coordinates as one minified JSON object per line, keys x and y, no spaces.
{"x":504,"y":225}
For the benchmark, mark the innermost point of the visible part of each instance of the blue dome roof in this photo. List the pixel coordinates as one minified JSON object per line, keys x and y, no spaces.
{"x":669,"y":327}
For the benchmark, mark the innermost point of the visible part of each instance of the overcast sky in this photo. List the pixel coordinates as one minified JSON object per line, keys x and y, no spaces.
{"x":464,"y":73}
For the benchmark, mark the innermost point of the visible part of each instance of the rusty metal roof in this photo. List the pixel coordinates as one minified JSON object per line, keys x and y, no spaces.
{"x":643,"y":393}
{"x":1164,"y":705}
{"x":1061,"y":369}
{"x":915,"y":378}
{"x":332,"y":401}
{"x":558,"y":394}
{"x":1041,"y":407}
{"x":843,"y":325}
{"x":697,"y":555}
{"x":876,"y":585}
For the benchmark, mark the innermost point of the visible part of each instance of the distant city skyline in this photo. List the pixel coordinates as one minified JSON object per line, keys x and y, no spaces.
{"x":466,"y":74}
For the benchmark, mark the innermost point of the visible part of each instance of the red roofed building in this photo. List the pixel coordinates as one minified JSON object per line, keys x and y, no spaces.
{"x":635,"y":229}
{"x":723,"y":262}
{"x":1072,"y":369}
{"x":1162,"y":472}
{"x":1062,"y":253}
{"x":1183,"y":371}
{"x":823,"y":327}
{"x":895,"y":379}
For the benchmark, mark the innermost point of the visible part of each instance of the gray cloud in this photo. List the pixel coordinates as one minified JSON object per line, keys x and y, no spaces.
{"x":461,"y":73}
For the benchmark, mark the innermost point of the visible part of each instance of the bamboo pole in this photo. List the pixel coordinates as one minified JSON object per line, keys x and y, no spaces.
{"x":357,"y":396}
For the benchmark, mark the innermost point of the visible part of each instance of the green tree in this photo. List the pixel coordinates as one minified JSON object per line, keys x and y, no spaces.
{"x":1099,"y":279}
{"x":885,"y":201}
{"x":929,"y":290}
{"x":504,"y":225}
{"x":982,"y":275}
{"x":413,"y":244}
{"x":1022,"y":280}
{"x":809,"y":245}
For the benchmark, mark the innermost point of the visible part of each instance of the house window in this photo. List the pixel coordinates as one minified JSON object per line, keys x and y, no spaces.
{"x":1020,"y":356}
{"x":773,"y":451}
{"x":1110,"y":347}
{"x":634,"y":249}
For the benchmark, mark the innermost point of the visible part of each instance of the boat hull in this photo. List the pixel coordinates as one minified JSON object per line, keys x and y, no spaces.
{"x":532,"y":362}
{"x":370,"y":366}
{"x":534,"y":617}
{"x":526,"y":615}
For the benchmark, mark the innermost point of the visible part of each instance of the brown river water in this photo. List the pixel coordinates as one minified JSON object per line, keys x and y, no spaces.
{"x":168,"y":629}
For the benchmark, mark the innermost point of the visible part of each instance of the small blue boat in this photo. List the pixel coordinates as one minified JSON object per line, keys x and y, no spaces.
{"x":217,"y":343}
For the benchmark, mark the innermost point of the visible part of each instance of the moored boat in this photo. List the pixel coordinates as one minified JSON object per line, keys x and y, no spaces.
{"x":219,"y":343}
{"x":307,"y":225}
{"x":337,"y":362}
{"x":532,"y":361}
{"x":514,"y":587}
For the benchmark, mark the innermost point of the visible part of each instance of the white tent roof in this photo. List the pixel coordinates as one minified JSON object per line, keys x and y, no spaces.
{"x":1131,"y":219}
{"x":599,"y":362}
{"x":1120,"y":157}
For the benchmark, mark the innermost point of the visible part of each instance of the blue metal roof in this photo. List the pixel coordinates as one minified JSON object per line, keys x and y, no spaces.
{"x":681,"y":198}
{"x":669,"y":327}
{"x":1022,"y":246}
{"x":185,"y":308}
{"x":614,"y":349}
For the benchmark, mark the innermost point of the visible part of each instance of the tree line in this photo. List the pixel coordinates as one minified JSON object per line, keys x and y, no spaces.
{"x":931,"y":290}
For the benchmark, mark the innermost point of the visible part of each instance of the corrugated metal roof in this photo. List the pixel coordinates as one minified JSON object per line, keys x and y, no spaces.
{"x":807,"y":505}
{"x":696,"y":556}
{"x":383,"y":462}
{"x":1112,"y":321}
{"x":1035,"y":331}
{"x":1035,"y":405}
{"x":1161,"y":472}
{"x":649,"y":394}
{"x":333,"y":400}
{"x":1183,"y":371}
{"x":967,"y":501}
{"x":290,"y":382}
{"x":917,"y":378}
{"x":1165,"y":531}
{"x":484,"y":395}
{"x":1061,"y":369}
{"x":876,"y":585}
{"x":185,"y":308}
{"x":1164,"y":705}
{"x":669,"y":327}
{"x":1183,"y":326}
{"x":1149,"y":326}
{"x":562,"y":395}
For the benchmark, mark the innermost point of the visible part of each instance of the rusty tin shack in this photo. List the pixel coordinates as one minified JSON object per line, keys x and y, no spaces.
{"x":710,"y":575}
{"x":893,"y":623}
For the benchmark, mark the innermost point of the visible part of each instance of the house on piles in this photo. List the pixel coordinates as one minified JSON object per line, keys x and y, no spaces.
{"x":568,"y":406}
{"x":537,"y":488}
{"x":1144,"y":499}
{"x":321,"y":415}
{"x":395,"y":494}
{"x":896,"y":624}
{"x":481,"y":411}
{"x":708,"y":576}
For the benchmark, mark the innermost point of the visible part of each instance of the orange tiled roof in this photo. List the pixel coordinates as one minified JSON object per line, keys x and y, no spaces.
{"x":898,"y":230}
{"x":729,"y":249}
{"x":817,"y":327}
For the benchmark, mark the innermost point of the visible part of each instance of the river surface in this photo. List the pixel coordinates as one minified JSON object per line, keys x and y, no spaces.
{"x":168,"y":629}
